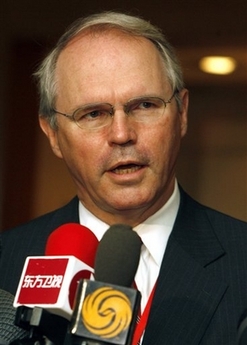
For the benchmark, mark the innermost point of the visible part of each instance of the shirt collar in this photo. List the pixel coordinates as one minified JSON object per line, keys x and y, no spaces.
{"x":155,"y":230}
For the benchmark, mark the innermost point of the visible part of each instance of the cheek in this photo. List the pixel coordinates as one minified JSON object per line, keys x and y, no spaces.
{"x":166,"y":143}
{"x":80,"y":151}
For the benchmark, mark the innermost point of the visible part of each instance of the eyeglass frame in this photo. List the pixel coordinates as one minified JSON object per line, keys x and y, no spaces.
{"x":72,"y":116}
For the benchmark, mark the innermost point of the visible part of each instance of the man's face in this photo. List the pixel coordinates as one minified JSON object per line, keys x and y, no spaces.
{"x":125,"y":171}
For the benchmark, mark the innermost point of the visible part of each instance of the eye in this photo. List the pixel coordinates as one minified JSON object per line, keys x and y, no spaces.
{"x":82,"y":115}
{"x":93,"y":114}
{"x":145,"y":104}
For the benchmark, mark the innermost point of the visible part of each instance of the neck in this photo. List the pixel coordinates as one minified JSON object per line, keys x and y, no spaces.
{"x":132,"y":216}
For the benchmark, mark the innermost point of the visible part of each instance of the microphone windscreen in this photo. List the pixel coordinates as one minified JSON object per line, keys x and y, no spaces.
{"x":8,"y":331}
{"x":242,"y":329}
{"x":118,"y":256}
{"x":73,"y":239}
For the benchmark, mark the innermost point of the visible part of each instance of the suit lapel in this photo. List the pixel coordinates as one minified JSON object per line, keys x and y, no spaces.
{"x":188,"y":292}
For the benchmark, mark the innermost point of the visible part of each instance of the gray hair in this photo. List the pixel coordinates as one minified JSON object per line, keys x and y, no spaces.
{"x":131,"y":25}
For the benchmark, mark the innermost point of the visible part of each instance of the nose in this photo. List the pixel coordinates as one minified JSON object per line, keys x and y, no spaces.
{"x":122,"y":130}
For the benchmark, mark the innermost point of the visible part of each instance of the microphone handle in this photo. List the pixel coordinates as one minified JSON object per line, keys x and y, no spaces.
{"x":44,"y":328}
{"x":31,"y":341}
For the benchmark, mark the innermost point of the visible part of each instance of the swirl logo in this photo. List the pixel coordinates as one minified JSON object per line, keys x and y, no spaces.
{"x":106,"y":312}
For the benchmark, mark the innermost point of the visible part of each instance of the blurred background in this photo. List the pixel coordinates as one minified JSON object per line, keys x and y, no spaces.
{"x":212,"y":165}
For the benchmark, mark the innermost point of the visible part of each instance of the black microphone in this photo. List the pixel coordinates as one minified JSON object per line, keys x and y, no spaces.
{"x":106,"y":309}
{"x":242,"y":330}
{"x":8,"y":330}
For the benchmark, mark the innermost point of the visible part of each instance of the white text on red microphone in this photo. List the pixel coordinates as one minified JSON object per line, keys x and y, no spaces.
{"x":42,"y":281}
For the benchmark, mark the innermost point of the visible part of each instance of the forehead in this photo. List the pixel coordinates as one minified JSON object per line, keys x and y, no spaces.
{"x":110,"y":38}
{"x":107,"y":36}
{"x":111,"y":59}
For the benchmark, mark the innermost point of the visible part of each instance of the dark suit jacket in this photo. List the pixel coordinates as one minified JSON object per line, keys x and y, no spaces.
{"x":202,"y":287}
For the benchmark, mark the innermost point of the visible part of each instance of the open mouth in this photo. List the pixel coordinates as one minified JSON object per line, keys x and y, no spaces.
{"x":126,"y":169}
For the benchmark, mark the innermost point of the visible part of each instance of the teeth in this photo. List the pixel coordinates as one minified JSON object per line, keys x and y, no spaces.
{"x":126,"y":170}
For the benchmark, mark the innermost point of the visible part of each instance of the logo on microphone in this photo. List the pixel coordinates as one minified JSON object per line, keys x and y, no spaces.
{"x":42,"y":281}
{"x":106,"y":312}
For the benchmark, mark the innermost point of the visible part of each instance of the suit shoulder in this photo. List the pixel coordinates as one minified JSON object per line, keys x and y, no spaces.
{"x":200,"y":216}
{"x":231,"y":232}
{"x":214,"y":215}
{"x":46,"y":222}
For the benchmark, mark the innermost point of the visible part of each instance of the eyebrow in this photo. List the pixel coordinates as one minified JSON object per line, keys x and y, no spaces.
{"x":87,"y":105}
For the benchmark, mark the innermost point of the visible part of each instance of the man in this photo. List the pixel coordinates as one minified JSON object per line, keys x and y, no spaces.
{"x":114,"y":108}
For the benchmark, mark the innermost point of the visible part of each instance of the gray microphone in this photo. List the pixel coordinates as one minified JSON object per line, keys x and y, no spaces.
{"x":8,"y":331}
{"x":242,"y":330}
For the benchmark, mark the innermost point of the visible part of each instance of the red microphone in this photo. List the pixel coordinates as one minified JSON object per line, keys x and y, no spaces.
{"x":50,"y":281}
{"x":73,"y":239}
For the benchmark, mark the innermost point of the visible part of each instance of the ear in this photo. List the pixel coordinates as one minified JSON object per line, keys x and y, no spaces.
{"x":184,"y":96}
{"x":52,"y":135}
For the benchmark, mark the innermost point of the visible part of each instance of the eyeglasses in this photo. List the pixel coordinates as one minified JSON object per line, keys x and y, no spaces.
{"x":98,"y":115}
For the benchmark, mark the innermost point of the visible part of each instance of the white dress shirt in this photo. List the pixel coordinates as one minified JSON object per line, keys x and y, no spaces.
{"x":154,"y":233}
